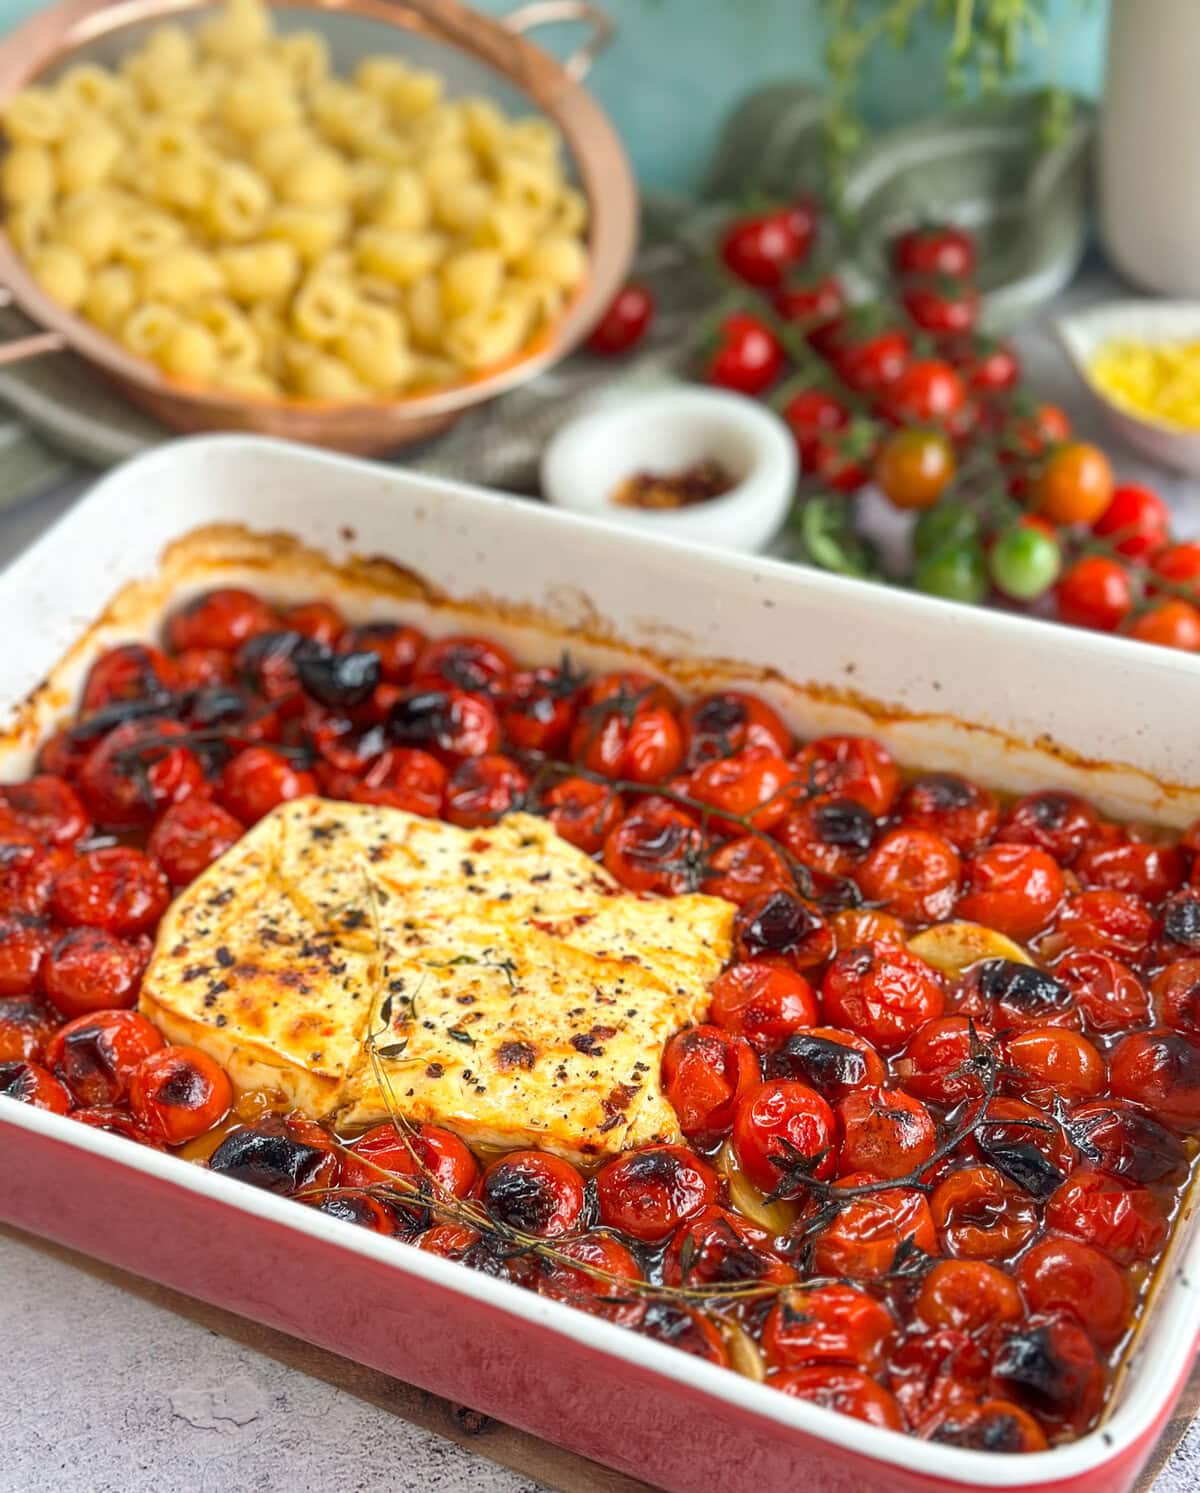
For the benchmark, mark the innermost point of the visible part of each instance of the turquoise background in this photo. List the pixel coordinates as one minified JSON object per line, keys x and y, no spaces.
{"x":678,"y":66}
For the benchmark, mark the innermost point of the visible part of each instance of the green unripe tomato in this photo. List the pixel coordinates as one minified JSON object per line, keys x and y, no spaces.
{"x":957,"y":573}
{"x":1025,"y":562}
{"x":943,"y":527}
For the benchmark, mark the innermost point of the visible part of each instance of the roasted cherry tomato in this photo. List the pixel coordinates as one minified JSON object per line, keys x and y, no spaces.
{"x":116,"y":1121}
{"x":47,"y":807}
{"x":646,"y":1194}
{"x":1015,"y":889}
{"x":118,"y":888}
{"x":535,"y":1194}
{"x":882,"y":992}
{"x":914,"y":872}
{"x":465,"y":663}
{"x":850,"y":767}
{"x":784,"y":1133}
{"x":131,"y":671}
{"x":829,"y":835}
{"x":223,"y":619}
{"x":136,"y":772}
{"x":179,"y":1093}
{"x":834,"y":1324}
{"x":540,"y":709}
{"x":1126,"y":1223}
{"x":25,"y":943}
{"x":873,"y":1230}
{"x":584,"y":811}
{"x":1116,"y":923}
{"x":26,"y":1025}
{"x":685,"y":1328}
{"x":725,"y":724}
{"x":950,"y":806}
{"x":658,"y":848}
{"x":403,"y":778}
{"x":484,"y":789}
{"x":754,"y":785}
{"x":1061,"y":824}
{"x":833,"y":1062}
{"x":1149,"y":871}
{"x":763,"y":1002}
{"x":980,"y":1215}
{"x":625,"y":322}
{"x":397,"y":645}
{"x":885,"y":1132}
{"x":29,"y":1083}
{"x":844,"y":1390}
{"x":1048,"y":1364}
{"x":449,"y":722}
{"x":934,"y":249}
{"x":937,"y":1064}
{"x":1107,"y":993}
{"x":1059,"y":1274}
{"x":715,"y":1245}
{"x":986,"y":1425}
{"x":1123,"y":1141}
{"x":89,"y":969}
{"x":428,"y":1152}
{"x":742,"y":869}
{"x":190,"y":836}
{"x":582,"y":1287}
{"x":259,"y":779}
{"x":968,"y":1295}
{"x":1160,"y":1069}
{"x":96,"y":1055}
{"x":1054,"y":1064}
{"x":627,"y":728}
{"x":288,"y":1155}
{"x":780,"y":924}
{"x":705,"y":1073}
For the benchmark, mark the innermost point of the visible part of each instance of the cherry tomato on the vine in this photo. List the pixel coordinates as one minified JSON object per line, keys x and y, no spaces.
{"x":625,"y":322}
{"x":1095,"y":592}
{"x":914,"y":466}
{"x":935,"y":249}
{"x":748,"y":357}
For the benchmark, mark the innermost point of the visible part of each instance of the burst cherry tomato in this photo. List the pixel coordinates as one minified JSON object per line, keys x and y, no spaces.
{"x":131,"y":671}
{"x":834,"y":1324}
{"x":258,"y":779}
{"x":1160,"y":1069}
{"x":222,"y":619}
{"x":179,"y":1093}
{"x":25,"y":943}
{"x":658,"y":848}
{"x":648,"y":1193}
{"x":1126,"y":1223}
{"x":913,"y":467}
{"x":190,"y":836}
{"x":882,"y":992}
{"x":397,"y":646}
{"x":484,"y":789}
{"x":1012,"y":888}
{"x":723,"y":724}
{"x":117,"y":888}
{"x":762,"y":1002}
{"x":742,"y":869}
{"x":715,"y":1245}
{"x":952,"y":807}
{"x":96,"y":1056}
{"x":844,"y":1390}
{"x":535,"y":1194}
{"x":403,"y":778}
{"x":783,"y":1132}
{"x":913,"y":871}
{"x":885,"y":1132}
{"x":850,"y":767}
{"x":988,"y":1425}
{"x":748,"y":357}
{"x":28,"y":874}
{"x":47,"y":807}
{"x":927,"y":392}
{"x":579,"y":1286}
{"x":1136,"y":521}
{"x":684,"y":1328}
{"x":26,"y":1025}
{"x":1054,"y":1064}
{"x":465,"y":663}
{"x":1061,"y":824}
{"x":584,"y":812}
{"x":384,"y":1151}
{"x":627,"y":728}
{"x":936,"y":1064}
{"x":1109,"y":995}
{"x":943,"y":308}
{"x":968,"y":1295}
{"x":625,"y":322}
{"x":1060,"y":1274}
{"x":830,"y":835}
{"x":1048,"y":1364}
{"x":981,"y":1215}
{"x":135,"y":772}
{"x":1116,"y":923}
{"x":873,"y":1230}
{"x":1150,"y":871}
{"x":706,"y":1071}
{"x":449,"y":722}
{"x":29,"y":1083}
{"x":541,"y":708}
{"x":935,"y":249}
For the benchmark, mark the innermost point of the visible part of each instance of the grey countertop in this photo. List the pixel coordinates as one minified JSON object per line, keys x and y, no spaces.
{"x":118,"y":1390}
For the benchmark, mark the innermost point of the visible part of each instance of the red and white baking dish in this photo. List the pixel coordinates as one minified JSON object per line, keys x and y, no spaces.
{"x":1017,"y":704}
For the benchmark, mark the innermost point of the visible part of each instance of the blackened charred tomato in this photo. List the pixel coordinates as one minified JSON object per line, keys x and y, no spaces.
{"x":951,"y":806}
{"x":628,"y":728}
{"x":716,"y":1245}
{"x":30,"y":1083}
{"x":1006,"y":994}
{"x":96,"y":1056}
{"x":354,"y":1207}
{"x":706,"y":1071}
{"x":829,"y":835}
{"x":1049,"y":1367}
{"x":779,"y":923}
{"x":685,"y":1328}
{"x":451,"y":723}
{"x":583,"y":811}
{"x":396,"y":646}
{"x":138,"y":770}
{"x":1059,"y":823}
{"x":535,"y":1194}
{"x":850,"y":767}
{"x":724,"y":725}
{"x":833,"y":1062}
{"x":282,"y":1154}
{"x":647,"y":1194}
{"x":131,"y":671}
{"x":179,"y":1093}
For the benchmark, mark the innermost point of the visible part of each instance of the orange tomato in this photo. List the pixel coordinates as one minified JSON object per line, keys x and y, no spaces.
{"x":1076,"y":484}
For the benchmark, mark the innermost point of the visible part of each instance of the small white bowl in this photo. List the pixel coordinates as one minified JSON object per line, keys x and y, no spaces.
{"x":589,"y":458}
{"x":1086,"y":332}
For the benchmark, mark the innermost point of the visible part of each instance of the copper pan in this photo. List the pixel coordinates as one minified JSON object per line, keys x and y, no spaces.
{"x":500,"y":56}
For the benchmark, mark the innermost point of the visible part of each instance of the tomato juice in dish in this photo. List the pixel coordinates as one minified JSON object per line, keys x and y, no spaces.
{"x":926,"y":1132}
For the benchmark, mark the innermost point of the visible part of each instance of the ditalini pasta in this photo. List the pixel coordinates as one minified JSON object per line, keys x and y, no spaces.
{"x":226,"y":207}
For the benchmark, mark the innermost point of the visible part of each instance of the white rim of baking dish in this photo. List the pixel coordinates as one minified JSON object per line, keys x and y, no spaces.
{"x":1174,"y":1324}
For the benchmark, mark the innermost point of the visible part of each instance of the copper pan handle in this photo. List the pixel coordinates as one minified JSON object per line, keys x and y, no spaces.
{"x":547,"y":12}
{"x":21,"y":349}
